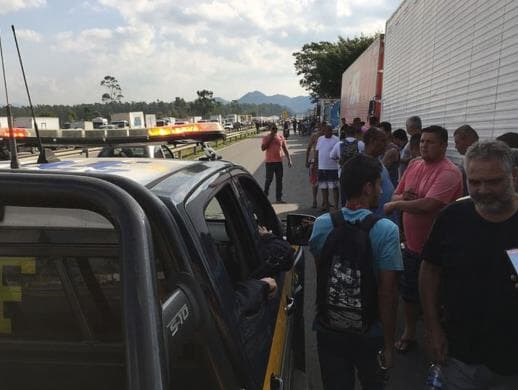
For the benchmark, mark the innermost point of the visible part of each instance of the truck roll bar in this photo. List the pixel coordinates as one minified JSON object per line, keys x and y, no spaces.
{"x":142,"y":321}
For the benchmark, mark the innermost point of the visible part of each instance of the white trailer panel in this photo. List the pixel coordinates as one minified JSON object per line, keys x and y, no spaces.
{"x":44,"y":123}
{"x":452,"y":63}
{"x":135,"y":119}
{"x":150,"y":120}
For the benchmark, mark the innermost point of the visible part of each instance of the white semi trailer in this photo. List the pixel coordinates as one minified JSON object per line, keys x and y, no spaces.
{"x":135,"y":119}
{"x":453,"y":63}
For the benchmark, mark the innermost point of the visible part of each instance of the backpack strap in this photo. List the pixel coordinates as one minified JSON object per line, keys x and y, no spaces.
{"x":369,"y":221}
{"x":337,"y":218}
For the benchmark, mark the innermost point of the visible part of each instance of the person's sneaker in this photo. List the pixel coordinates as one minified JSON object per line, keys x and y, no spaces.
{"x":280,"y":201}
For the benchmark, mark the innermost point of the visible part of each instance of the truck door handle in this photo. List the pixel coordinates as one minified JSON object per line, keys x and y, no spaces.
{"x":290,"y":305}
{"x":276,"y":383}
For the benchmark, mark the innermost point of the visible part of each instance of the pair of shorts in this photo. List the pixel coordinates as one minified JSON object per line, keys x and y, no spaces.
{"x":313,"y":174}
{"x":328,"y":178}
{"x":408,"y":283}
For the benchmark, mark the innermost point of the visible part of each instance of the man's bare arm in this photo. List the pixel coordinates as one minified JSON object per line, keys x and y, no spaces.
{"x":387,"y":300}
{"x":418,"y":206}
{"x":285,"y":149}
{"x":429,"y":281}
{"x":397,"y":197}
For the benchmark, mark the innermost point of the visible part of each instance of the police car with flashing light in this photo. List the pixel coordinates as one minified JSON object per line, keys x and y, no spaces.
{"x":120,"y":274}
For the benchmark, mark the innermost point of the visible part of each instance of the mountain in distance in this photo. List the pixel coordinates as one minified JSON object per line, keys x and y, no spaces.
{"x":298,"y":105}
{"x":221,"y":100}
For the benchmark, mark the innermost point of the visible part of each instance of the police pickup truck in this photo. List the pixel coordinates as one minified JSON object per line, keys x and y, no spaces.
{"x":121,"y":274}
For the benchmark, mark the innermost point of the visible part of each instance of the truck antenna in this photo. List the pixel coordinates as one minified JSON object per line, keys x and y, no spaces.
{"x":12,"y":141}
{"x":42,"y":158}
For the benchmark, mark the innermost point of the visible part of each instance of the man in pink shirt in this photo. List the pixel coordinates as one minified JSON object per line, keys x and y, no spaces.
{"x":274,"y":146}
{"x":427,"y":186}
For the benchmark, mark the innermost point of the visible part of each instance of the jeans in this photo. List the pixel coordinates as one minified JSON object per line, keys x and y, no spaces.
{"x":341,"y":354}
{"x":461,"y":376}
{"x":271,"y":168}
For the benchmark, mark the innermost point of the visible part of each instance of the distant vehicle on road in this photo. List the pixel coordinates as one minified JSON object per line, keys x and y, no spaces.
{"x":120,"y":124}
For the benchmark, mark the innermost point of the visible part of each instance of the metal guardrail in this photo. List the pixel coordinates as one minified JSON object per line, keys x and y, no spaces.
{"x":192,"y":149}
{"x":179,"y":151}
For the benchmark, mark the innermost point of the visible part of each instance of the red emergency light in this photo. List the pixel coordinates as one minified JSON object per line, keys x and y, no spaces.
{"x":18,"y":133}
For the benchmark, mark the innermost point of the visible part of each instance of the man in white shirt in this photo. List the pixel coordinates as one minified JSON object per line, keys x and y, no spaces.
{"x":327,"y":167}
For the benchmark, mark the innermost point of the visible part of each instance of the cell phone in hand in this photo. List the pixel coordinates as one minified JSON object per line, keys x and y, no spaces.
{"x":512,"y":254}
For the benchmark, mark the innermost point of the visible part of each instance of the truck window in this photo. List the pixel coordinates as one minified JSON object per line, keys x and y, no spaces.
{"x":261,"y":209}
{"x":230,"y":235}
{"x":124,"y":151}
{"x":157,"y":150}
{"x":60,"y":320}
{"x":167,"y":152}
{"x":235,"y":243}
{"x":60,"y":298}
{"x":60,"y":301}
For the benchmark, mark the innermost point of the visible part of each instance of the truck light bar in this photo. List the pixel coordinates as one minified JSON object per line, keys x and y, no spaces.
{"x":186,"y":128}
{"x":197,"y":132}
{"x":18,"y":132}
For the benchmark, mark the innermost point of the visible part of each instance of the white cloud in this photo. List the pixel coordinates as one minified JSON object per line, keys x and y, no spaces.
{"x":160,"y":49}
{"x":343,"y":8}
{"x":214,"y":11}
{"x":87,"y":41}
{"x":29,"y":35}
{"x":91,"y":6}
{"x":7,"y":6}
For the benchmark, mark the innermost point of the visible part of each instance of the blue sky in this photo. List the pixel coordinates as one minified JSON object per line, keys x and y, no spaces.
{"x":160,"y":49}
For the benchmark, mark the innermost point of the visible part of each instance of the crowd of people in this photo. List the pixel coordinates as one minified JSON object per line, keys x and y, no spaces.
{"x":402,"y":221}
{"x":441,"y":236}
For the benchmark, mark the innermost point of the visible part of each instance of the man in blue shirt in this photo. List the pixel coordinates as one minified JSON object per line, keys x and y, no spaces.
{"x":341,"y":353}
{"x":375,"y":144}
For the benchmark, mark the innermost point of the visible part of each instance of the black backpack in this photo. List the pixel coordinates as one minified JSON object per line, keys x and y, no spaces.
{"x":348,"y":150}
{"x":347,"y":293}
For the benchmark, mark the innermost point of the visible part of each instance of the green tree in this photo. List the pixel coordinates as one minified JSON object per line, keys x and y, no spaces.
{"x":204,"y":103}
{"x":114,"y":91}
{"x":71,"y":115}
{"x":321,"y":64}
{"x":180,"y":108}
{"x":234,"y":107}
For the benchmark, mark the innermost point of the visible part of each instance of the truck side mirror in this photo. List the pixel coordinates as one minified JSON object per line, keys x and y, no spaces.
{"x":299,"y":228}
